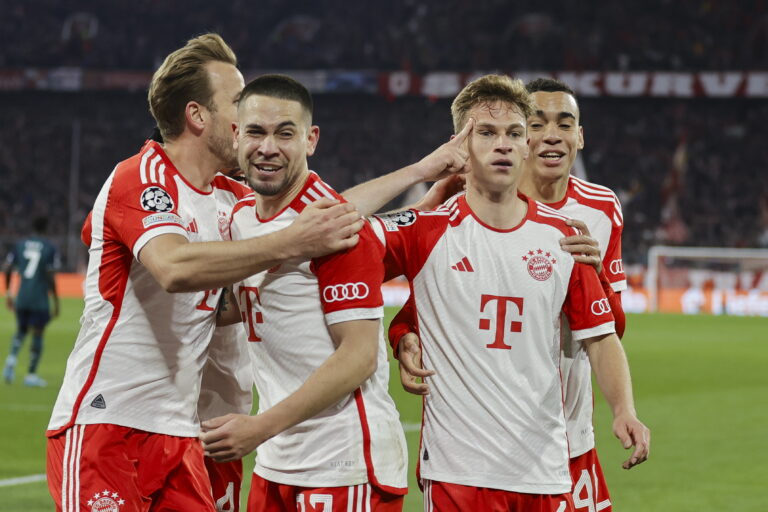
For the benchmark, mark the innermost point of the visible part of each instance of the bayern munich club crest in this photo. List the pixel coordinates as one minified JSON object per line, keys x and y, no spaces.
{"x":155,"y":199}
{"x":540,"y":264}
{"x":106,"y":501}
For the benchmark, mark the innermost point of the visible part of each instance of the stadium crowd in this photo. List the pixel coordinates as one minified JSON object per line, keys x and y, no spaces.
{"x":679,"y":172}
{"x":418,"y":35}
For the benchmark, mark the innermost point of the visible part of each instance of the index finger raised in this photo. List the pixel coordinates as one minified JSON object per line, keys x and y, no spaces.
{"x":464,"y":133}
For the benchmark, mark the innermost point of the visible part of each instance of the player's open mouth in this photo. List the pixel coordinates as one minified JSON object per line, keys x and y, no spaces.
{"x":268,"y":167}
{"x":552,"y":157}
{"x":502,"y":163}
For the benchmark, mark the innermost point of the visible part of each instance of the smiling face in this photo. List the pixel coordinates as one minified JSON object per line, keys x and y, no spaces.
{"x":497,"y":145}
{"x":274,"y":139}
{"x":555,"y":135}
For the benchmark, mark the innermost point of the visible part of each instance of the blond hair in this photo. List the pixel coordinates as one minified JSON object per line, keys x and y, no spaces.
{"x":490,"y":89}
{"x":183,"y":78}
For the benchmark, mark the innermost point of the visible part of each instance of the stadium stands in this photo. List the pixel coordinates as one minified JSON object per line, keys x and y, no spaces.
{"x":688,"y":171}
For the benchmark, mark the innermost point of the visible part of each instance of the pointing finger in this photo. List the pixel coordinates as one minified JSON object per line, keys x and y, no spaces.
{"x":464,"y":133}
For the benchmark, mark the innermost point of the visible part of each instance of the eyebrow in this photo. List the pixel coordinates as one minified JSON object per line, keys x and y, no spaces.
{"x":507,"y":128}
{"x":282,"y":125}
{"x":560,"y":115}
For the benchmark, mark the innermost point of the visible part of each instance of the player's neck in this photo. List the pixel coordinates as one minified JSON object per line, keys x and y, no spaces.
{"x":545,"y":190}
{"x":499,"y":210}
{"x":197,"y":165}
{"x":269,"y":206}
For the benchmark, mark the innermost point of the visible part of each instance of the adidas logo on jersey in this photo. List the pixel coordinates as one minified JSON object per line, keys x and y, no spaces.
{"x":463,"y":266}
{"x":192,"y":226}
{"x":99,"y":402}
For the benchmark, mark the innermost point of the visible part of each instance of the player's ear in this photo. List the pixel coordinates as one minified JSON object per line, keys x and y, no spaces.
{"x":235,"y":135}
{"x":313,"y":137}
{"x":195,"y":117}
{"x":581,"y":137}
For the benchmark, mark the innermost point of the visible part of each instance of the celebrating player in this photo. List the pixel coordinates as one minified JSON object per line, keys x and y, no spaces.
{"x":36,"y":260}
{"x":490,"y":280}
{"x":555,"y":137}
{"x":329,"y":429}
{"x":124,"y":428}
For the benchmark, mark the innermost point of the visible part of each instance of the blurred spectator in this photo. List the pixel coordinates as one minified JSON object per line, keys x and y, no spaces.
{"x":412,"y":34}
{"x":634,"y":146}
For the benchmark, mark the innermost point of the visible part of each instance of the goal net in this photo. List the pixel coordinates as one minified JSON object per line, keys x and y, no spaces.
{"x":713,"y":280}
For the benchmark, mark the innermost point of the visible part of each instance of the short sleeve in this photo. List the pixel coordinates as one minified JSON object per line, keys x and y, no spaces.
{"x":350,"y":281}
{"x":612,"y":260}
{"x":586,"y":306}
{"x":408,"y":237}
{"x":141,"y":212}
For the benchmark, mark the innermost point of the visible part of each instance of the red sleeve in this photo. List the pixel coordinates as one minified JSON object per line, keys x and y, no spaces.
{"x":404,"y":322}
{"x":586,"y":306}
{"x":350,"y":281}
{"x":408,"y":237}
{"x":85,"y":233}
{"x":612,"y":261}
{"x":137,"y":212}
{"x":614,"y":299}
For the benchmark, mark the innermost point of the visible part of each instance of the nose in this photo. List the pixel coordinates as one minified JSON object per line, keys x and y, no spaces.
{"x":268,"y":147}
{"x":503,"y":144}
{"x":551,"y":134}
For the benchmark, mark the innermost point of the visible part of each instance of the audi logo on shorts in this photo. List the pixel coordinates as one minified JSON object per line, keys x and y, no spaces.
{"x":616,"y":267}
{"x":601,"y":307}
{"x":346,"y":291}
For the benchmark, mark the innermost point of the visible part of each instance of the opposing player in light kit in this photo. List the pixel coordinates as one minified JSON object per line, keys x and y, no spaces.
{"x":490,"y":281}
{"x":327,"y":431}
{"x":36,"y":260}
{"x":124,"y":428}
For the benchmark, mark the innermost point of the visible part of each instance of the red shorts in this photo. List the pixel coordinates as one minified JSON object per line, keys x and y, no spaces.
{"x":226,"y":478}
{"x":590,"y":492}
{"x":266,"y":496}
{"x":444,"y":497}
{"x":114,"y":468}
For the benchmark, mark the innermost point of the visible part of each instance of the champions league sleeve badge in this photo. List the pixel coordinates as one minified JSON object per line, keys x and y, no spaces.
{"x":393,"y":221}
{"x":155,"y":199}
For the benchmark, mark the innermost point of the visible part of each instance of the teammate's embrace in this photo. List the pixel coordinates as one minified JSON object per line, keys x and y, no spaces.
{"x":327,"y":430}
{"x":123,"y":433}
{"x":490,"y":281}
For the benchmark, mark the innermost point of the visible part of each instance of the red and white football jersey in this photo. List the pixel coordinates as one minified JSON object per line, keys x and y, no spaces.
{"x":600,"y":210}
{"x":286,"y":311}
{"x":138,"y":358}
{"x":488,"y":307}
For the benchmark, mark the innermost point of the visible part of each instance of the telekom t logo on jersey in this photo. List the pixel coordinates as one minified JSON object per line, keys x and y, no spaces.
{"x":500,"y":320}
{"x":249,"y":297}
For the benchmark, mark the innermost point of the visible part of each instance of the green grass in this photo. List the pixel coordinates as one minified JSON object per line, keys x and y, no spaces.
{"x":701,"y":385}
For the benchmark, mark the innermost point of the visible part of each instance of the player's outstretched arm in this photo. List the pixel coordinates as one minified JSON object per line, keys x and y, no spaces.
{"x":323,"y":227}
{"x":609,"y":362}
{"x":448,"y":159}
{"x":411,"y":370}
{"x":232,"y":436}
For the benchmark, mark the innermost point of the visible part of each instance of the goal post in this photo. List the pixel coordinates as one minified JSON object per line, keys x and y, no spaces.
{"x":716,"y":280}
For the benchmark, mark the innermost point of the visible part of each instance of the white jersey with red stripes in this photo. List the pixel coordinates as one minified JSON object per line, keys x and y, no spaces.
{"x":488,"y":305}
{"x":138,"y":357}
{"x":286,"y":311}
{"x":600,"y":210}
